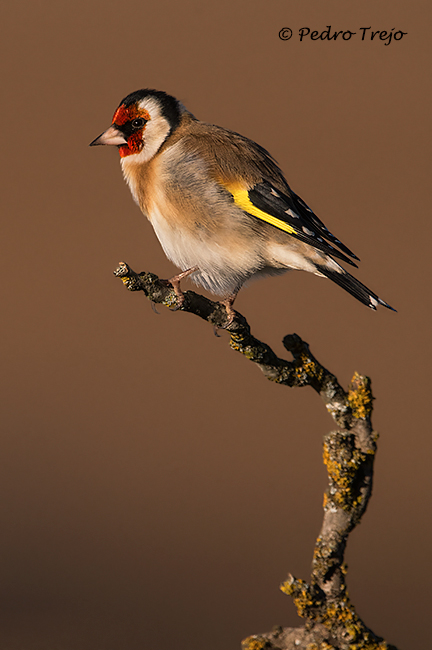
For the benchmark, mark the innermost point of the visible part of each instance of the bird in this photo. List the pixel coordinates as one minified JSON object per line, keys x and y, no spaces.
{"x":219,"y":203}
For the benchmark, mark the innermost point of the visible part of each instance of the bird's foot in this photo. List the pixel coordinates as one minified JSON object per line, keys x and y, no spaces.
{"x":230,"y":313}
{"x":228,"y":304}
{"x":175,"y":283}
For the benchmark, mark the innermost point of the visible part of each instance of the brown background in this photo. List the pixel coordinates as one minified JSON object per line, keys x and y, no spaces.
{"x":155,"y":489}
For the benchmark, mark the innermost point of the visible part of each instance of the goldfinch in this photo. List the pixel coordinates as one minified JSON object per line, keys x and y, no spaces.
{"x":218,"y":202}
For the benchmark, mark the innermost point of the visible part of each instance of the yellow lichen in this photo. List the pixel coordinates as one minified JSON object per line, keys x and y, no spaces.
{"x":342,"y":464}
{"x":300,"y":592}
{"x":247,"y":351}
{"x":287,"y":587}
{"x":366,"y":644}
{"x":310,"y":367}
{"x":360,"y":396}
{"x":170,"y":300}
{"x":337,"y":616}
{"x":255,"y":643}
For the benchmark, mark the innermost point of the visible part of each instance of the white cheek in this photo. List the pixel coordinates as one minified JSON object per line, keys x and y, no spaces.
{"x":155,"y":134}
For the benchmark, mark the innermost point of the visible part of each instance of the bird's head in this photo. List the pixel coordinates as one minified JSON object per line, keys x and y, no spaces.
{"x":141,"y":124}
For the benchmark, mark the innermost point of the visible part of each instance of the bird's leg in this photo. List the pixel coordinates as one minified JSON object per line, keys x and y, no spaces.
{"x":228,"y":304}
{"x":175,"y":283}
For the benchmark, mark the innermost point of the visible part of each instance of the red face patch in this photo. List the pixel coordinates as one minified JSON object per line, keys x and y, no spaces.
{"x":123,"y":114}
{"x":134,"y":144}
{"x":126,"y":114}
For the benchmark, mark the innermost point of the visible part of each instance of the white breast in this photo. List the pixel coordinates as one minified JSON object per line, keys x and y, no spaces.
{"x":221,"y":268}
{"x":179,"y":246}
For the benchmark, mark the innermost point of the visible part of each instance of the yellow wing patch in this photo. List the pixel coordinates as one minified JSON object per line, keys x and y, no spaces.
{"x":241,"y":198}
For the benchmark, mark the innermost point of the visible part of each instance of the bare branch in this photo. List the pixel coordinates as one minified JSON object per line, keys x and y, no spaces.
{"x":349,"y":452}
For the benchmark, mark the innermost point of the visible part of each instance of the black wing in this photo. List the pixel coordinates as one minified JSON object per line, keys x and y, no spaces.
{"x":296,"y":218}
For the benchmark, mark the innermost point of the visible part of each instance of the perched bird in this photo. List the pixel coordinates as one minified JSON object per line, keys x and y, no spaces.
{"x":218,"y":202}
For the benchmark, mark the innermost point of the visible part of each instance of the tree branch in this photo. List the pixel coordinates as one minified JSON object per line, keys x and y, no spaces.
{"x":349,"y":452}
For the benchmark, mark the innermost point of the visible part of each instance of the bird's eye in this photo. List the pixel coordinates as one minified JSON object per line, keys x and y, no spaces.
{"x":138,"y":123}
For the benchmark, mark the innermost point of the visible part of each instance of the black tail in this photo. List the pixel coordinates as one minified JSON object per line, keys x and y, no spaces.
{"x":354,"y":287}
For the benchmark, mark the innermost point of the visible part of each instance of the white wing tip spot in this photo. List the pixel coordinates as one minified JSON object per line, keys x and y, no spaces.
{"x":292,"y":214}
{"x":272,"y":191}
{"x":308,"y":232}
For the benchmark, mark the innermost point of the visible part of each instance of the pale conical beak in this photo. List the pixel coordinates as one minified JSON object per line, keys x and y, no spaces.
{"x":110,"y":136}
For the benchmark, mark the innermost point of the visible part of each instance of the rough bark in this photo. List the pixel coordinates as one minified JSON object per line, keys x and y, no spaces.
{"x":331,"y":621}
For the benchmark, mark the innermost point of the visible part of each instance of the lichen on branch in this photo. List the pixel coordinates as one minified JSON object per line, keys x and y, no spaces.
{"x":331,"y":622}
